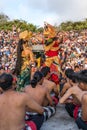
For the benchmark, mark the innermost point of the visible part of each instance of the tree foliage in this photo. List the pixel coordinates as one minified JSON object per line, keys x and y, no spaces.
{"x":69,"y":25}
{"x":6,"y":24}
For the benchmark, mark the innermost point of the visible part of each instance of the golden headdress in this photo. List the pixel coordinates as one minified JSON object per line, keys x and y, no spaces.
{"x":25,"y":35}
{"x":49,"y":31}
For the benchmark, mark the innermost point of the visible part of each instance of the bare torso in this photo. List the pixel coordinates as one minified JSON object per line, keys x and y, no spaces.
{"x":51,"y":86}
{"x":74,"y":98}
{"x":11,"y":111}
{"x":76,"y":91}
{"x":13,"y":107}
{"x":39,"y":94}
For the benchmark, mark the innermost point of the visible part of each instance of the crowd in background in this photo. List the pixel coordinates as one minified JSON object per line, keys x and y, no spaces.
{"x":72,"y":54}
{"x":8,"y":46}
{"x":72,"y":51}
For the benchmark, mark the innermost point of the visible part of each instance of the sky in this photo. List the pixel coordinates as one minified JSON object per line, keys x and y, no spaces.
{"x":51,"y":11}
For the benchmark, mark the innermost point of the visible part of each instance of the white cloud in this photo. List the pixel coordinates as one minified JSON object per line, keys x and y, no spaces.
{"x":38,"y":11}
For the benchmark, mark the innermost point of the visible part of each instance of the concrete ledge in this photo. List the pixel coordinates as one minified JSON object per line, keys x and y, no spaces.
{"x":60,"y":121}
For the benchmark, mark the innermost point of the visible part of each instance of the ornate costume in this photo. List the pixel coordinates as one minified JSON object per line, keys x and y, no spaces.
{"x":51,"y":46}
{"x":26,"y":57}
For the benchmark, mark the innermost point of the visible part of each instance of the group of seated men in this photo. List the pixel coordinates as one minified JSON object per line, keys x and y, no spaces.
{"x":28,"y":110}
{"x":74,"y":95}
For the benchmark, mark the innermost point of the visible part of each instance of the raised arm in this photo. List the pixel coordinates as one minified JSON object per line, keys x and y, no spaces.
{"x":66,"y":95}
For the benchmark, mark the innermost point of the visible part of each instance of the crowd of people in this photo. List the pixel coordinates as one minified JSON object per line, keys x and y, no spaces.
{"x":32,"y":87}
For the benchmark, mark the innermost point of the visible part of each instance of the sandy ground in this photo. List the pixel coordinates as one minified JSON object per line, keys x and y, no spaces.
{"x":60,"y":121}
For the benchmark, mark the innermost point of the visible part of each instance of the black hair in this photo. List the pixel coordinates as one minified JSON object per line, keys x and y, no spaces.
{"x":84,"y":72}
{"x":36,"y":78}
{"x":45,"y":70}
{"x":76,"y":66}
{"x":70,"y":74}
{"x":81,"y":76}
{"x":6,"y":81}
{"x":19,"y":57}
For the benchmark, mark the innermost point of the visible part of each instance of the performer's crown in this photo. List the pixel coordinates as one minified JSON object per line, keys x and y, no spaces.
{"x":49,"y":30}
{"x":25,"y":35}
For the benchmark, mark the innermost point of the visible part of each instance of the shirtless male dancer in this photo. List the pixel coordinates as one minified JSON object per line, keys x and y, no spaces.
{"x":76,"y":81}
{"x":13,"y":108}
{"x":80,"y":92}
{"x":37,"y":91}
{"x":50,"y":85}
